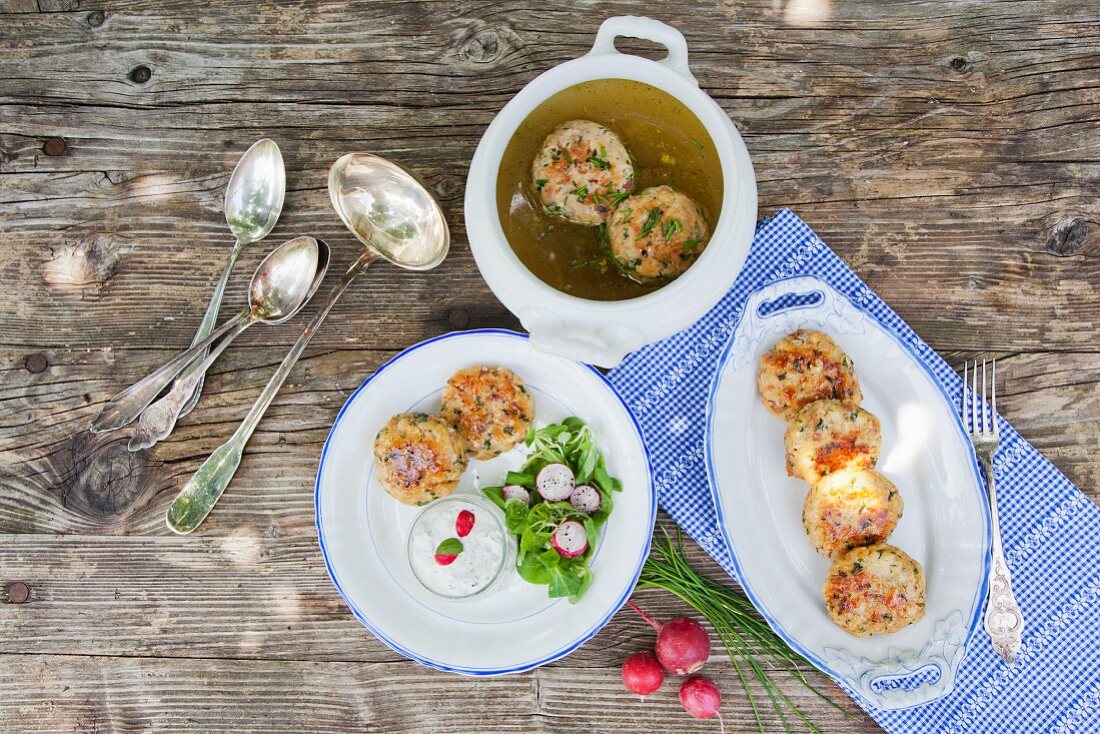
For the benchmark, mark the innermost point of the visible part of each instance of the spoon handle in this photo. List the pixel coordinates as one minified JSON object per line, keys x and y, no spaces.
{"x":205,"y":487}
{"x":124,"y":407}
{"x":158,"y":420}
{"x":209,"y":319}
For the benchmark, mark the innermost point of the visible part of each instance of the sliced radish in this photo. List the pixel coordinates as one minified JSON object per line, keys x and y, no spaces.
{"x":555,"y":482}
{"x":516,"y":492}
{"x":586,"y":498}
{"x":445,"y":559}
{"x":464,"y":523}
{"x":570,"y":539}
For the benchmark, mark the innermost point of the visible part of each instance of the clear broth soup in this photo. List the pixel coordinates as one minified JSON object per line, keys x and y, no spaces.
{"x":669,"y":146}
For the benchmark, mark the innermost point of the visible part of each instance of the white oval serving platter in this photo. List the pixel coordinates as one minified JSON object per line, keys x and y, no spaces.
{"x":925,"y":452}
{"x":362,"y":530}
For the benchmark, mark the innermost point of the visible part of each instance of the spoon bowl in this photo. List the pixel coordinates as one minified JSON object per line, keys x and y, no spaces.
{"x":389,"y":210}
{"x":256,"y":190}
{"x":286,"y":279}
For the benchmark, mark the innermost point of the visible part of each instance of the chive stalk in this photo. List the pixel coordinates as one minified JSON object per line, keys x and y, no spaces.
{"x":748,"y":640}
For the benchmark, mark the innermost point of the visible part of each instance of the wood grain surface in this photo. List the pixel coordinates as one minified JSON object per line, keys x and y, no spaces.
{"x":949,"y":152}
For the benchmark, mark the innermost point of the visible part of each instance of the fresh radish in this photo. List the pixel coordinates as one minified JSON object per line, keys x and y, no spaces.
{"x":683,"y":646}
{"x":464,"y":523}
{"x":586,"y":498}
{"x":700,"y":698}
{"x":570,"y":539}
{"x":555,"y":482}
{"x":516,"y":492}
{"x":642,"y":674}
{"x":445,"y":559}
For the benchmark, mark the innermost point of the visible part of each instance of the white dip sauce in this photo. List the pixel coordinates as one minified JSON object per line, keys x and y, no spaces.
{"x":482,"y":550}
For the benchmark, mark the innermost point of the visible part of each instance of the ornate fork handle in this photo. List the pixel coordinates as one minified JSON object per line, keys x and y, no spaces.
{"x":1003,"y":620}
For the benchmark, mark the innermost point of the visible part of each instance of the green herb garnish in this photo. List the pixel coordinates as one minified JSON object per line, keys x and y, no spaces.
{"x":598,"y":162}
{"x":583,"y":263}
{"x":671,"y":227}
{"x":696,"y":143}
{"x":602,"y":238}
{"x":449,"y":547}
{"x":580,"y":192}
{"x":605,"y":245}
{"x":651,"y":221}
{"x":540,"y":183}
{"x":611,"y":199}
{"x":691,"y":245}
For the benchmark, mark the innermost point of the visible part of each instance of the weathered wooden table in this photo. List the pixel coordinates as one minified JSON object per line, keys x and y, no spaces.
{"x":949,"y":152}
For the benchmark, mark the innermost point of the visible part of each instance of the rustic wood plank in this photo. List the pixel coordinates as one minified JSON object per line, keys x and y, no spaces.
{"x":149,"y":694}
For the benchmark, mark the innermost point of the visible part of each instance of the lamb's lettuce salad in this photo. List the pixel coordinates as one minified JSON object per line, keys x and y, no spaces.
{"x":556,"y":504}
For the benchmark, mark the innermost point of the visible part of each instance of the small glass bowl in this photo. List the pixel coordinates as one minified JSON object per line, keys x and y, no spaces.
{"x":454,"y":504}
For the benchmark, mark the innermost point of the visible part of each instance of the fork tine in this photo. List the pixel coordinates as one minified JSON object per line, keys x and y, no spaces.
{"x":993,"y":415}
{"x":974,"y":398}
{"x":985,"y":400}
{"x":966,"y":418}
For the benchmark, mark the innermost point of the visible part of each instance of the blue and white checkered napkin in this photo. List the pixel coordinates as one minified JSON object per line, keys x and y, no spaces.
{"x":1051,"y":531}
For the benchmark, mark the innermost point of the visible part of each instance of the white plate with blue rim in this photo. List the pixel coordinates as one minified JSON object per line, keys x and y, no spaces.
{"x":945,"y":524}
{"x":514,"y":626}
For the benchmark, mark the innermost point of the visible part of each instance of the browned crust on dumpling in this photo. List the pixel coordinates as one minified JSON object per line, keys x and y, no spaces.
{"x":850,"y":508}
{"x":419,"y":457}
{"x":828,"y":436}
{"x":803,"y":367}
{"x":875,"y":589}
{"x":491,"y":407}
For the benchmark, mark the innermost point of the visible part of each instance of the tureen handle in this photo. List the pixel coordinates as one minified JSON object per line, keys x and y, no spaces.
{"x":647,"y":29}
{"x":603,"y":346}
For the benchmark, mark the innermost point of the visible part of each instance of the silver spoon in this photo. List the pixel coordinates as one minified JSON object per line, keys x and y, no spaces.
{"x":253,"y":202}
{"x":281,"y":285}
{"x":159,"y":419}
{"x":397,"y":219}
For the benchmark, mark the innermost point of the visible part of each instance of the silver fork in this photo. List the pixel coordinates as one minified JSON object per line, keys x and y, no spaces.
{"x":1004,"y":623}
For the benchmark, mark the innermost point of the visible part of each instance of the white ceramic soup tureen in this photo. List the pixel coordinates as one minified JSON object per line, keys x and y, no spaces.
{"x":603,"y":332}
